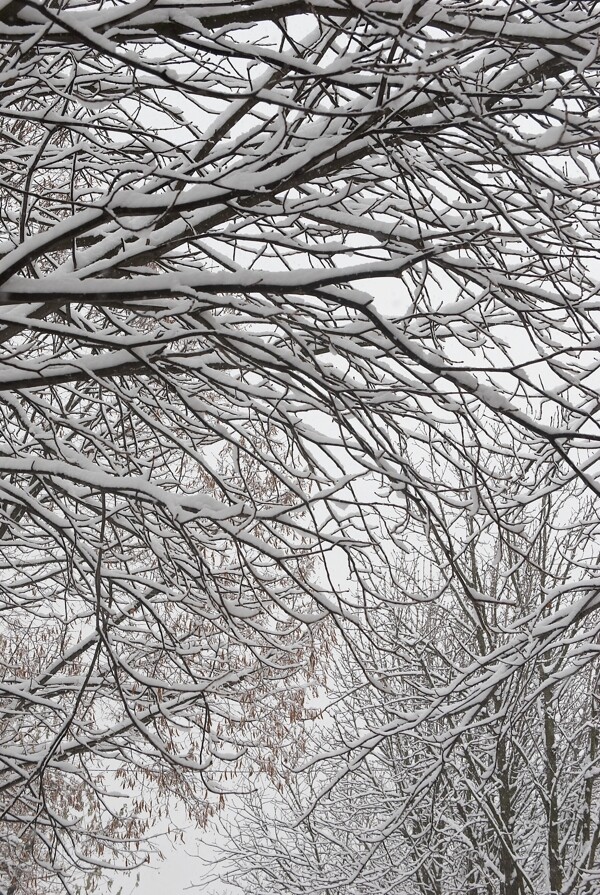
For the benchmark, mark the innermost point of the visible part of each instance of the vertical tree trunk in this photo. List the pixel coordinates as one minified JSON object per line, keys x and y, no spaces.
{"x":555,"y":873}
{"x":589,"y":835}
{"x":511,"y":882}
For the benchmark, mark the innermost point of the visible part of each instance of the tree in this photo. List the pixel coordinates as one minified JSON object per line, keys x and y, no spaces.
{"x":433,"y":787}
{"x":259,"y":262}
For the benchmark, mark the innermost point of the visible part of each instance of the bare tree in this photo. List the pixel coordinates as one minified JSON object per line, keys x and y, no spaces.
{"x":435,"y":785}
{"x":260,"y":261}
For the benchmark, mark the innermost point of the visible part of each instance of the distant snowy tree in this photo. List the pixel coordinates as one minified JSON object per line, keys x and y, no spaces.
{"x":282,"y":287}
{"x":435,"y":784}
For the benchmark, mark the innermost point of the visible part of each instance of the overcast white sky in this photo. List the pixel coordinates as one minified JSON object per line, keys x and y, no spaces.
{"x":180,"y":872}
